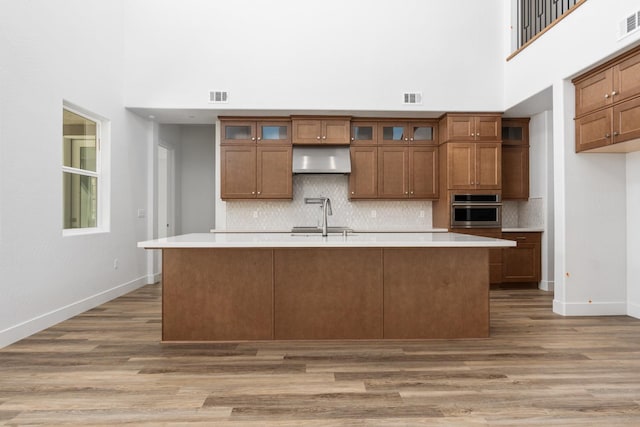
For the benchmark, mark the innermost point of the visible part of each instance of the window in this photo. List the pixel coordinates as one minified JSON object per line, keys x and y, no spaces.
{"x":82,"y":173}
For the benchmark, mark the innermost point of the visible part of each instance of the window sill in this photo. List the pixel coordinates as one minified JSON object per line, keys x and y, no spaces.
{"x":83,"y":231}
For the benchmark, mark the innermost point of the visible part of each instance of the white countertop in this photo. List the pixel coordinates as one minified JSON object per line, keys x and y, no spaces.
{"x":355,"y":240}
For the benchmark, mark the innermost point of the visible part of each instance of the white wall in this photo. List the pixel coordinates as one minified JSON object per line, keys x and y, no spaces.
{"x":591,"y":228}
{"x":633,"y":231}
{"x":198,"y":175}
{"x":541,"y":186}
{"x":337,"y":55}
{"x":55,"y":51}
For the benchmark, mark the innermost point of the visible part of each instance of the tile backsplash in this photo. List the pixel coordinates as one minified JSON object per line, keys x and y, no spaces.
{"x":360,"y":215}
{"x":525,"y":214}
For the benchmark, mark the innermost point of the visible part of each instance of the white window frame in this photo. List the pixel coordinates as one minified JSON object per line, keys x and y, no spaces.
{"x":102,"y":173}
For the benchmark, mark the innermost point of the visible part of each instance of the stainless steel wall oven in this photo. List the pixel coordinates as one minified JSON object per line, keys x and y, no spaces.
{"x":476,"y":211}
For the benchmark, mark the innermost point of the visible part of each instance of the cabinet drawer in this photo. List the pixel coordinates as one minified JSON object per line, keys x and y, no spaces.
{"x":534,"y":237}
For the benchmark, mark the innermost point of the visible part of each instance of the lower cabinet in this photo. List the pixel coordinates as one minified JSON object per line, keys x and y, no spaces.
{"x":522,"y":263}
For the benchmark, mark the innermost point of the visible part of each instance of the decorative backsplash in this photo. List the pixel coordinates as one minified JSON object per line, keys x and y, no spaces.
{"x":524,"y":214}
{"x":360,"y":215}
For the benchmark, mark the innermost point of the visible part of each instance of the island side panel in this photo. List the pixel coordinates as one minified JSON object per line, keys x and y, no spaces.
{"x":436,"y":293}
{"x":217,"y":294}
{"x":328,"y":293}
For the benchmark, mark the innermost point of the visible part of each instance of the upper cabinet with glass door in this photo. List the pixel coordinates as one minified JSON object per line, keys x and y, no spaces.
{"x":407,"y":132}
{"x":248,"y":131}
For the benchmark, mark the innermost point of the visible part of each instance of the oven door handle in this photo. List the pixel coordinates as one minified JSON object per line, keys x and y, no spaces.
{"x":476,"y":205}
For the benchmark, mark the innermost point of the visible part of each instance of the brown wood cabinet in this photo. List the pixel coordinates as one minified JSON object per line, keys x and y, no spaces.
{"x":470,"y":127}
{"x":608,"y":106}
{"x":363,"y":180}
{"x":255,"y":159}
{"x":407,"y":132}
{"x":364,"y":132}
{"x":250,"y":172}
{"x":515,"y":159}
{"x":473,"y":165}
{"x":314,"y":131}
{"x":251,"y":130}
{"x":407,"y":172}
{"x":522,"y":263}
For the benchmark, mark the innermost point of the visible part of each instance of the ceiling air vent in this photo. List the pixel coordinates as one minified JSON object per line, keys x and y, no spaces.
{"x":219,"y":96}
{"x":412,"y":98}
{"x":629,"y":25}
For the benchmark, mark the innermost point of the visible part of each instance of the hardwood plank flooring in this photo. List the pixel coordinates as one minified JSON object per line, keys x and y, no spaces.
{"x":107,"y":367}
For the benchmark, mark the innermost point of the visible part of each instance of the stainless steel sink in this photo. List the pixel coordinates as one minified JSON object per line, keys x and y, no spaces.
{"x":318,"y":230}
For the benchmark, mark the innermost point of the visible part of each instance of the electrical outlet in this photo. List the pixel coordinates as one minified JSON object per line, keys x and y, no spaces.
{"x":374,"y":214}
{"x":255,"y":214}
{"x":421,"y":214}
{"x":115,"y":264}
{"x":141,"y":213}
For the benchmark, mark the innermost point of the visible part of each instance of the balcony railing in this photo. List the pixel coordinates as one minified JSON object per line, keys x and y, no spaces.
{"x":536,"y":15}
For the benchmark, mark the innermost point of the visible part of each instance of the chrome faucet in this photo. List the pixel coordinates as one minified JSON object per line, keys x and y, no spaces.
{"x":326,"y":209}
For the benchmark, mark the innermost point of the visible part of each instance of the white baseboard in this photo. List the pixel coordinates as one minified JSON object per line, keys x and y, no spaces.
{"x":633,"y":310}
{"x":154,"y":278}
{"x":593,"y":309}
{"x":546,"y":285}
{"x":37,"y":324}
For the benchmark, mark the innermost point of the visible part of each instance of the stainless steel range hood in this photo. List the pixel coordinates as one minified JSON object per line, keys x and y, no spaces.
{"x":321,"y":160}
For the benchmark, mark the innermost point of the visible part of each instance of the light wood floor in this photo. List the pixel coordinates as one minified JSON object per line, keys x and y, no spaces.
{"x":106,"y":367}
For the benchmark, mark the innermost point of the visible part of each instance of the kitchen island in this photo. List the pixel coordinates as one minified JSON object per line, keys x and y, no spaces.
{"x":264,"y":286}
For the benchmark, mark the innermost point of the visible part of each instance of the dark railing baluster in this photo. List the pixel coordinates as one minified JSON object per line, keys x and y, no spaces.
{"x":536,"y":15}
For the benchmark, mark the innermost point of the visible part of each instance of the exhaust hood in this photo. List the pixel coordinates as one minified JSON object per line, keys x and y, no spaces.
{"x":321,"y":159}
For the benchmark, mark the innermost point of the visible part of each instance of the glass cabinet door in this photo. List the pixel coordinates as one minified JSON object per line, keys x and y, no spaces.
{"x":392,"y":133}
{"x":238,"y":132}
{"x":422,"y":133}
{"x":276,"y":132}
{"x":363,"y":133}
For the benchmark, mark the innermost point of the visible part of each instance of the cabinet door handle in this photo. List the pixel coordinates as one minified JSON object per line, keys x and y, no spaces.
{"x":324,"y":137}
{"x":253,"y":138}
{"x":410,"y":139}
{"x":614,"y":93}
{"x":615,"y":134}
{"x":412,"y":192}
{"x":353,"y":192}
{"x":318,"y":137}
{"x":259,"y":138}
{"x":607,"y":135}
{"x":406,"y":192}
{"x":606,"y":96}
{"x":353,"y":139}
{"x":473,"y":134}
{"x":521,"y":238}
{"x":406,"y":139}
{"x":259,"y":192}
{"x":477,"y":134}
{"x":253,"y":192}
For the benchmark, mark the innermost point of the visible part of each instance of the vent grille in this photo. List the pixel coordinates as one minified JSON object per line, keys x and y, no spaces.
{"x":412,"y":98}
{"x":629,"y":25}
{"x":219,"y":96}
